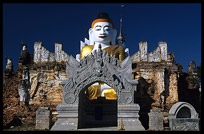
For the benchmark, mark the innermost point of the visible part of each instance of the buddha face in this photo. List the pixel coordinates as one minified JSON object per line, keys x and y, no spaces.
{"x":102,"y":32}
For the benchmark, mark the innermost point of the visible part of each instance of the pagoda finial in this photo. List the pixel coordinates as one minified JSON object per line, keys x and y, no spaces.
{"x":22,"y":43}
{"x":121,"y":38}
{"x":121,"y":20}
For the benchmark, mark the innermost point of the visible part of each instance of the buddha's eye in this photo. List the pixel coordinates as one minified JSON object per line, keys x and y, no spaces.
{"x":98,"y":28}
{"x":107,"y":28}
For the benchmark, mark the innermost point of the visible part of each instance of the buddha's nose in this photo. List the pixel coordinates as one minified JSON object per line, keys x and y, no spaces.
{"x":102,"y":30}
{"x":102,"y":33}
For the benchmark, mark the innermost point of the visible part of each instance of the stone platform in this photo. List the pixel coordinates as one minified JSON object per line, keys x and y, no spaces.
{"x":100,"y":129}
{"x":68,"y":119}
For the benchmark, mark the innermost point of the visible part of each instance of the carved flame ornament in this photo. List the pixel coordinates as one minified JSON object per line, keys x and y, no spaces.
{"x":99,"y":67}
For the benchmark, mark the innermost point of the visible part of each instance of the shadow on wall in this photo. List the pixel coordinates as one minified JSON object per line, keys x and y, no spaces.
{"x":15,"y":122}
{"x":144,"y":100}
{"x":188,"y":91}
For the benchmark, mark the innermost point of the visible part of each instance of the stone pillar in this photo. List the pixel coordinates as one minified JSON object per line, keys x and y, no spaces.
{"x":43,"y":118}
{"x":67,"y":118}
{"x":173,"y":91}
{"x":143,"y":51}
{"x":58,"y":50}
{"x":37,"y":51}
{"x":159,"y":88}
{"x":155,"y":119}
{"x":130,"y":117}
{"x":163,"y":47}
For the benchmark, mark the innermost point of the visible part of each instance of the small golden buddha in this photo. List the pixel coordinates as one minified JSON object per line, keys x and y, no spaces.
{"x":102,"y":32}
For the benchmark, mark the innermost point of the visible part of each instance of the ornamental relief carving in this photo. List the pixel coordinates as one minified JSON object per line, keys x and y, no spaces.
{"x":99,"y":67}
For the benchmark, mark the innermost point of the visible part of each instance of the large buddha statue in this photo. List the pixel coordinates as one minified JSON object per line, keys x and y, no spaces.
{"x":102,"y":33}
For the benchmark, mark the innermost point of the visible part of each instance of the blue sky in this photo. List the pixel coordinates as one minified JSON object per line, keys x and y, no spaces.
{"x":179,"y":24}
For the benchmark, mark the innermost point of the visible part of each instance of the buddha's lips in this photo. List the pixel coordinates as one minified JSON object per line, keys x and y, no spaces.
{"x":101,"y":36}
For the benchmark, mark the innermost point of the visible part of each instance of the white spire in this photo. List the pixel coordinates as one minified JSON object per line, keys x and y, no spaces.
{"x":121,"y":39}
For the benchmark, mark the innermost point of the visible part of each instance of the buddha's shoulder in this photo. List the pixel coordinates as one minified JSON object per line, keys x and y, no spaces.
{"x":88,"y":47}
{"x":86,"y":50}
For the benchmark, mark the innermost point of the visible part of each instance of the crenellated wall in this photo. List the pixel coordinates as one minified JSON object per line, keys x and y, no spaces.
{"x":158,"y":55}
{"x":161,"y":72}
{"x":41,"y":54}
{"x":48,"y":71}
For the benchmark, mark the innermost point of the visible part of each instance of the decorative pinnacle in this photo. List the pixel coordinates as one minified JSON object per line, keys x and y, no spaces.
{"x":121,"y":34}
{"x":121,"y":37}
{"x":7,"y":57}
{"x":22,"y":43}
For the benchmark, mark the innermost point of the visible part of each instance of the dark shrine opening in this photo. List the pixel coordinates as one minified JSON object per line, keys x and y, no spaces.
{"x":97,"y":107}
{"x":184,"y":112}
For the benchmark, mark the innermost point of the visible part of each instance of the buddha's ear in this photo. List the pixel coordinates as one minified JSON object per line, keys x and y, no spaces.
{"x":114,"y":37}
{"x":91,"y":36}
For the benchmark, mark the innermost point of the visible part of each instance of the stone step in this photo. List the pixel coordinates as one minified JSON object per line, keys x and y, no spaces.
{"x":100,"y":129}
{"x":166,"y":129}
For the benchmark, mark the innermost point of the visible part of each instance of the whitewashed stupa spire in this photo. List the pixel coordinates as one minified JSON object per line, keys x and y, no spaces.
{"x":121,"y":39}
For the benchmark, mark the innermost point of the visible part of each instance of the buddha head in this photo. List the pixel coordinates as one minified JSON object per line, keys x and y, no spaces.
{"x":102,"y":30}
